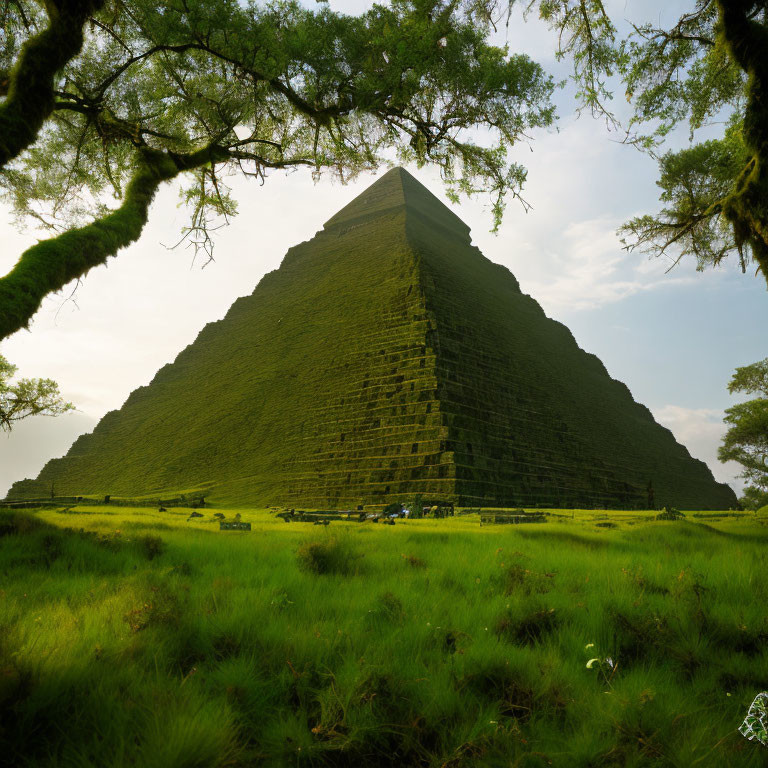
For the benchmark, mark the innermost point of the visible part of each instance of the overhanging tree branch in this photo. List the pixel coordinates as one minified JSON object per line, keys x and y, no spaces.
{"x":51,"y":264}
{"x":321,"y":93}
{"x":747,"y":206}
{"x":30,"y":83}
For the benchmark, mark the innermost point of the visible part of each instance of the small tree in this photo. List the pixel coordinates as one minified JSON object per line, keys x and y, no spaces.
{"x":27,"y":397}
{"x":754,"y":498}
{"x":746,"y":441}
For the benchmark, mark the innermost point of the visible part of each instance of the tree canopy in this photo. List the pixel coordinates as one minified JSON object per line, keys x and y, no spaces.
{"x":206,"y":88}
{"x":746,"y":440}
{"x":112,"y":98}
{"x":27,"y":397}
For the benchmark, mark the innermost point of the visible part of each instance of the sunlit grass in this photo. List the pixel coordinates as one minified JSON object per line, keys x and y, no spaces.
{"x":131,"y":637}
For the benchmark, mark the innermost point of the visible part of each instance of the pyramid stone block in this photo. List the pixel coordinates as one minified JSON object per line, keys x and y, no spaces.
{"x":386,"y":357}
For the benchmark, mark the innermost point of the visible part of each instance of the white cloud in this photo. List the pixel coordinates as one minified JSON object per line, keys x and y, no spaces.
{"x":591,"y":270}
{"x":566,"y":252}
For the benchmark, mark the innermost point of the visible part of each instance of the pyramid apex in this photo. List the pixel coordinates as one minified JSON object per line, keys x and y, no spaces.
{"x":394,"y":191}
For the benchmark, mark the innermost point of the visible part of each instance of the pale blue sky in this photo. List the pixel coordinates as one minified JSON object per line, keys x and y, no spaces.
{"x":673,"y":339}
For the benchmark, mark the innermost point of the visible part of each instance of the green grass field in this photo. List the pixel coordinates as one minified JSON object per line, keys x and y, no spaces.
{"x":134,"y":638}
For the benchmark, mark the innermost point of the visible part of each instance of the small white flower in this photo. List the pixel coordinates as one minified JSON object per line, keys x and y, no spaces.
{"x":610,"y":662}
{"x":442,"y":42}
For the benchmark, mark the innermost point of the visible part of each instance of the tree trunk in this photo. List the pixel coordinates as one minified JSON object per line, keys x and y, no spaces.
{"x":747,"y":207}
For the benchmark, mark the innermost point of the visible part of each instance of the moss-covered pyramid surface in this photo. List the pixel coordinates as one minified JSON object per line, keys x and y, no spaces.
{"x":386,"y":357}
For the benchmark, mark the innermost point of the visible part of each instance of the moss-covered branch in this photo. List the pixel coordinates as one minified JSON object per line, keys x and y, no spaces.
{"x":30,"y":84}
{"x":51,"y":264}
{"x":747,"y":207}
{"x":715,"y":193}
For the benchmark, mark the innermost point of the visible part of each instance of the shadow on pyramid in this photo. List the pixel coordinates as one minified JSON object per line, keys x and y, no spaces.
{"x":386,"y":357}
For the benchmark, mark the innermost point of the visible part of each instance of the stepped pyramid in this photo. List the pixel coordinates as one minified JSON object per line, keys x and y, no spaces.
{"x":386,"y":357}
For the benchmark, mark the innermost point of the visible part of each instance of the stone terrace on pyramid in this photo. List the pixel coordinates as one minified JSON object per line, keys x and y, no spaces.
{"x":387,"y":357}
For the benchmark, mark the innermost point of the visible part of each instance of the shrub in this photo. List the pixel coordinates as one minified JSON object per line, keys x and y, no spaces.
{"x":516,"y":579}
{"x":330,"y":556}
{"x":153,"y":546}
{"x":160,"y":608}
{"x":280,"y":600}
{"x":670,"y":513}
{"x":494,"y":681}
{"x":450,"y":641}
{"x":18,"y":523}
{"x":389,"y":607}
{"x":392,"y":509}
{"x":52,"y":548}
{"x":530,"y":628}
